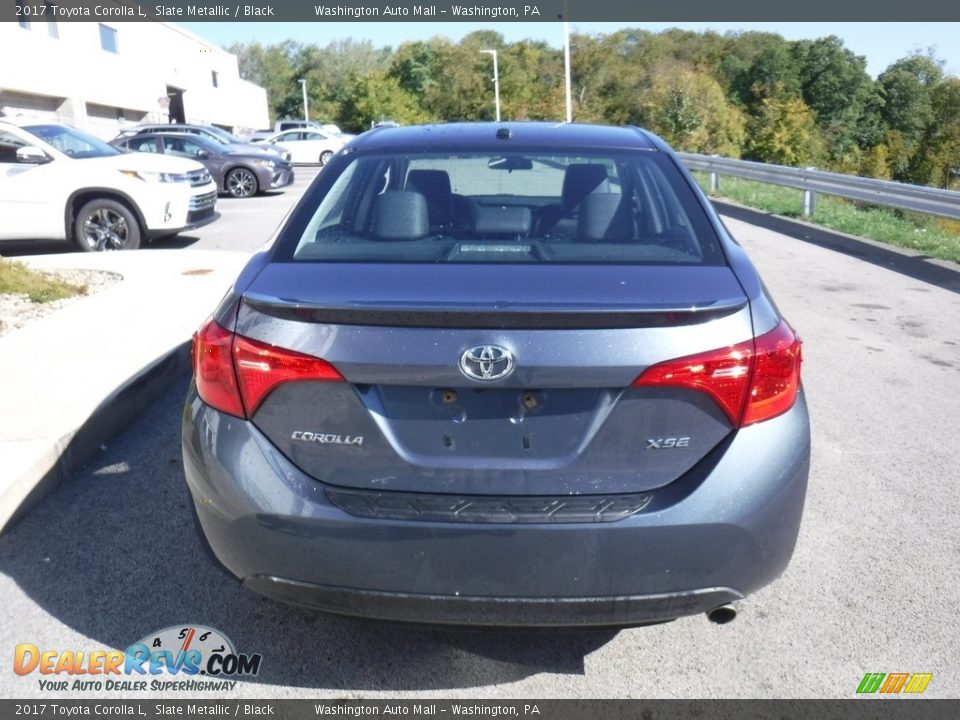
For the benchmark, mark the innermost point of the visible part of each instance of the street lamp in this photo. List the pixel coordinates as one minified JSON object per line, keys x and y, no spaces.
{"x":566,"y":69}
{"x":496,"y":80}
{"x":303,"y":86}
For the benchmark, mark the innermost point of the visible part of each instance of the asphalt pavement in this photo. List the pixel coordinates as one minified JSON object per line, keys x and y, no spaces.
{"x":111,"y":554}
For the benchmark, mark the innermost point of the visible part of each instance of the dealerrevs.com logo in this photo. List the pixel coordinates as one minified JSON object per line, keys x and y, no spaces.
{"x":180,"y":657}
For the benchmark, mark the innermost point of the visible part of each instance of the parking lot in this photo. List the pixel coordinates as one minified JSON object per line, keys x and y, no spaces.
{"x":112,"y":554}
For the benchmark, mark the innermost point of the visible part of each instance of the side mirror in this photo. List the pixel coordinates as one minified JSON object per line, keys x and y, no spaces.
{"x":32,"y":155}
{"x":203,"y":154}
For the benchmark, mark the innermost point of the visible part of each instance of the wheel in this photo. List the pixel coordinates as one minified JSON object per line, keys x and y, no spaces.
{"x":104,"y":224}
{"x":325,"y":157}
{"x":241,"y":183}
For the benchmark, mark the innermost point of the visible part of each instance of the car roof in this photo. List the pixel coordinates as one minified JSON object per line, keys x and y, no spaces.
{"x":488,"y":135}
{"x":22,"y":122}
{"x":199,"y":139}
{"x":213,"y":129}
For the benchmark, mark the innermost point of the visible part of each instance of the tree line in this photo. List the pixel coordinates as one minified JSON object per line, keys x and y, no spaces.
{"x":752,"y":95}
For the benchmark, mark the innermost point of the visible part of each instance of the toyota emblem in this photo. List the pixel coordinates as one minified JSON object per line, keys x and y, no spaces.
{"x":486,"y":362}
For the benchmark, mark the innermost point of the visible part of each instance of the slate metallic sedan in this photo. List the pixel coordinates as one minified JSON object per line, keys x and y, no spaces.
{"x":238,"y":173}
{"x":500,"y":374}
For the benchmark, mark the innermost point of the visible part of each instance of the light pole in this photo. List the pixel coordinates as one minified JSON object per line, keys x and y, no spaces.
{"x":566,"y":69}
{"x":303,"y":86}
{"x":496,"y":80}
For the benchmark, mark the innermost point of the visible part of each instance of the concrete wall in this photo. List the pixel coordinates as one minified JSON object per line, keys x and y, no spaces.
{"x":62,"y":71}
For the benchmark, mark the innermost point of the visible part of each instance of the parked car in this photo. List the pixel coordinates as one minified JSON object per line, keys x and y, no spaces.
{"x":307,"y":147}
{"x":239,"y":173}
{"x":325,"y":128}
{"x":500,"y":374}
{"x":209,"y":131}
{"x":258,"y":135}
{"x":57,"y":182}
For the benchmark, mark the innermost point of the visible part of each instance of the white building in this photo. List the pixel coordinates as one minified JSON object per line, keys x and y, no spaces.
{"x":104,"y":76}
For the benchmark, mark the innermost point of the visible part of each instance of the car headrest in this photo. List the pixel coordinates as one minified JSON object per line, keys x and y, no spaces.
{"x":604,"y":216}
{"x":432,"y":183}
{"x":400,"y":215}
{"x":581,"y":180}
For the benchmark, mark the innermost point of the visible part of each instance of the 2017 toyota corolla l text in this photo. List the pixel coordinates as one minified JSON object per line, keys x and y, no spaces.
{"x":500,"y":374}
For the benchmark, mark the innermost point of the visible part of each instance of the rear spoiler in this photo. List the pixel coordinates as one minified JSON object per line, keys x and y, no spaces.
{"x":504,"y":317}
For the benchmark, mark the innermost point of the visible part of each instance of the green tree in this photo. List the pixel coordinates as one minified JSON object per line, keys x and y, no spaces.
{"x":785,"y":132}
{"x":908,"y":93}
{"x":835,"y":85}
{"x":773,"y":73}
{"x":689,"y":109}
{"x":414,"y":65}
{"x":938,"y":160}
{"x":376,"y":95}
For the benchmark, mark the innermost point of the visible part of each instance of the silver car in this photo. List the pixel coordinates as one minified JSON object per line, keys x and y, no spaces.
{"x":500,"y":374}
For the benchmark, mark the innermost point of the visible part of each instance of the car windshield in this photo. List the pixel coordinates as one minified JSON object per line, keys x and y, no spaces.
{"x":540,"y":207}
{"x":72,"y":142}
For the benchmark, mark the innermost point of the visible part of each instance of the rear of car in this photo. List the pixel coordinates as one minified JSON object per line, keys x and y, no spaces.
{"x":512,"y":374}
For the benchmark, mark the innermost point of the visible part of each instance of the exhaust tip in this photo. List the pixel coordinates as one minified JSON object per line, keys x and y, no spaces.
{"x":722,"y":615}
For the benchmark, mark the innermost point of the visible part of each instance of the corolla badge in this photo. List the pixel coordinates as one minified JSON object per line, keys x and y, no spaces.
{"x":487,"y":362}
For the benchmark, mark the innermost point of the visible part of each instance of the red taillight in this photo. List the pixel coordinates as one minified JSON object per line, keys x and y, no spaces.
{"x":213,"y":369}
{"x":750,"y":381}
{"x":261,"y":367}
{"x":776,"y":375}
{"x":235,"y":374}
{"x":723,"y":374}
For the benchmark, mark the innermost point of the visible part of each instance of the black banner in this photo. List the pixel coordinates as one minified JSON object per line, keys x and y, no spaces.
{"x":877,"y":709}
{"x":493,"y":11}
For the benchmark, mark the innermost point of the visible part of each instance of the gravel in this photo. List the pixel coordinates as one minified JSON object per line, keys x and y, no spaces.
{"x":16,"y":309}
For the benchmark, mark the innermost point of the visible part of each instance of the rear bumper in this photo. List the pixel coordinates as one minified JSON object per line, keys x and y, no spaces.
{"x":494,"y":611}
{"x":703,"y":541}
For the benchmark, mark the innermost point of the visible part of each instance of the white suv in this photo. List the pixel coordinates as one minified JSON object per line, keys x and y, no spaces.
{"x":57,"y":182}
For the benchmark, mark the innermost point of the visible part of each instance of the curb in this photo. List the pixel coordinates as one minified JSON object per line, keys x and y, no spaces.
{"x":906,"y":261}
{"x":75,"y":449}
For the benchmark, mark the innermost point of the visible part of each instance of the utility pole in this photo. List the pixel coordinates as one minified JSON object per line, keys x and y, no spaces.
{"x":496,"y":80}
{"x":566,"y":68}
{"x":303,"y":86}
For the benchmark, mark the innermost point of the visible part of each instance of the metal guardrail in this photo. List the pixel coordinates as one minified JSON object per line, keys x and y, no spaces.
{"x":945,"y":203}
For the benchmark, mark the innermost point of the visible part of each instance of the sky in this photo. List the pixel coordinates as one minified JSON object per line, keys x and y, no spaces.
{"x":880,"y":42}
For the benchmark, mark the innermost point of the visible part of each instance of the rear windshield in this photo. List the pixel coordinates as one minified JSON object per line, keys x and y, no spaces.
{"x":631,"y":207}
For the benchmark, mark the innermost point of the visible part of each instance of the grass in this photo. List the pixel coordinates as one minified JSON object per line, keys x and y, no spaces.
{"x":932,"y":236}
{"x":17,"y":278}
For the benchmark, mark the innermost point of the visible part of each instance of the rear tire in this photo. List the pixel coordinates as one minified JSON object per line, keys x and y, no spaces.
{"x":241,"y":183}
{"x":325,"y":157}
{"x":104,"y":224}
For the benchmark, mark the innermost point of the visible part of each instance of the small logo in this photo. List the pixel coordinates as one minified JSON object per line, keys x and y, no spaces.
{"x":487,"y":362}
{"x":667,"y":443}
{"x":894,"y":683}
